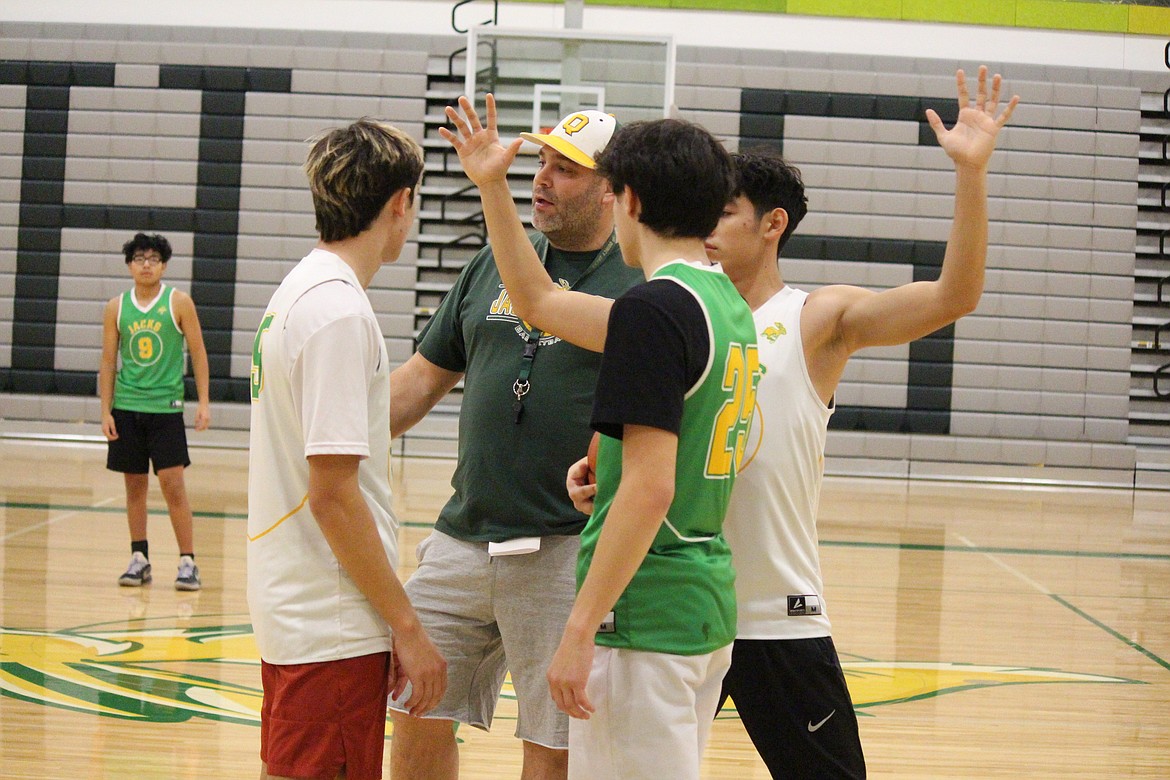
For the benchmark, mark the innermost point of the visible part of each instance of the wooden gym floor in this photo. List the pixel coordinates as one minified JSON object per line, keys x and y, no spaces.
{"x":986,"y":631}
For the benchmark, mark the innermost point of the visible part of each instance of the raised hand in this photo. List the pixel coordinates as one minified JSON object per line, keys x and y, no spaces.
{"x":483,"y":157}
{"x":972,"y":140}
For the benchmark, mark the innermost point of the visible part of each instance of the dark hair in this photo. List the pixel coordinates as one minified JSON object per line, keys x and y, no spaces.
{"x":142,"y":242}
{"x":769,"y":181}
{"x":682,"y":175}
{"x":354,"y":171}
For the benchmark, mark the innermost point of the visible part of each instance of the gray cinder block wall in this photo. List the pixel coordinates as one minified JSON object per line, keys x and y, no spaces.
{"x":199,"y":134}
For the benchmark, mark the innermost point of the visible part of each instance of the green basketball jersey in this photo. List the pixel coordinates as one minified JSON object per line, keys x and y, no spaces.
{"x":150,"y":378}
{"x":682,"y":598}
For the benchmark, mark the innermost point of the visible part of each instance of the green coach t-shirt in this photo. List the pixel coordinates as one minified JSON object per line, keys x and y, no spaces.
{"x":510,"y":478}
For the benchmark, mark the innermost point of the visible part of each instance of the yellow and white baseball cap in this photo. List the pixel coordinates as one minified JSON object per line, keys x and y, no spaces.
{"x":579,"y":136}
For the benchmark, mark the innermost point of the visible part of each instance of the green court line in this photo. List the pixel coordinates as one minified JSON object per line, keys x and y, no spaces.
{"x":1116,"y":635}
{"x":999,"y":550}
{"x":824,"y":542}
{"x":120,"y":510}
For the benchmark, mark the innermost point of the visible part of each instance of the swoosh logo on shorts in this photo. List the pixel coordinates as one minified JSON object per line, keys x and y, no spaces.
{"x":813,"y":727}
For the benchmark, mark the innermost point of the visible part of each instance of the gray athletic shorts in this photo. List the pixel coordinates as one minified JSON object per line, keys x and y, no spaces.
{"x":491,"y":615}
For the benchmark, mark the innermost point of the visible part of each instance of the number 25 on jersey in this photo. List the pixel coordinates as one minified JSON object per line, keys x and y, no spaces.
{"x":741,"y":375}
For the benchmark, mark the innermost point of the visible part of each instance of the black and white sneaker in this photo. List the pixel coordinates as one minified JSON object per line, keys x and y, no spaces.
{"x":188,"y":578}
{"x":137,"y":573}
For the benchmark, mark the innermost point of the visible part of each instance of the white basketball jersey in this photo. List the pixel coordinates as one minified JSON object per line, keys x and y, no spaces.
{"x":771,"y":523}
{"x":320,"y":385}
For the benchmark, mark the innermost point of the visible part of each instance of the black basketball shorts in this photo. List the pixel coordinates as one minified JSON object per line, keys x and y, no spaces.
{"x":145,"y":438}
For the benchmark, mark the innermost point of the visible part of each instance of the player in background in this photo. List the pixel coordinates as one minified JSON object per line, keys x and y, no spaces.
{"x":142,"y":400}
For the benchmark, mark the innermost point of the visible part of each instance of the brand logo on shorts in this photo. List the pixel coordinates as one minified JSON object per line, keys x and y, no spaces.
{"x":815,"y":726}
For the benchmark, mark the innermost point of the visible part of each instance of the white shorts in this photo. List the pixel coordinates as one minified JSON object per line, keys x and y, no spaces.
{"x":653,"y":715}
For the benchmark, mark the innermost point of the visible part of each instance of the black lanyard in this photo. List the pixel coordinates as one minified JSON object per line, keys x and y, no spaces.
{"x":522,"y":384}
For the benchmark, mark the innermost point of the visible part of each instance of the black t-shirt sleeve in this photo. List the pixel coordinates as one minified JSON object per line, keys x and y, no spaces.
{"x":656,"y":348}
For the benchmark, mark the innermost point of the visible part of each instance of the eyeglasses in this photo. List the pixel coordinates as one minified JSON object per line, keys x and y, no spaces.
{"x":147,"y":260}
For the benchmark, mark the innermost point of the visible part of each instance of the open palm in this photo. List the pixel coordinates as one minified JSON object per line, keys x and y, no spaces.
{"x":972,"y":140}
{"x":481,"y":154}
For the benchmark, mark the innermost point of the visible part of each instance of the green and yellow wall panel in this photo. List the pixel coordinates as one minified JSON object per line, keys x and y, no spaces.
{"x":1076,"y":15}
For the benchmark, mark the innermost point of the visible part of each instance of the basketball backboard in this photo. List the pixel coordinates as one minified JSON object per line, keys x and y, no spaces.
{"x":542,"y":75}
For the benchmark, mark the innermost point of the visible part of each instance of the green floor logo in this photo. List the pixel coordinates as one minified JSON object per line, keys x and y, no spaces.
{"x":168,"y":673}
